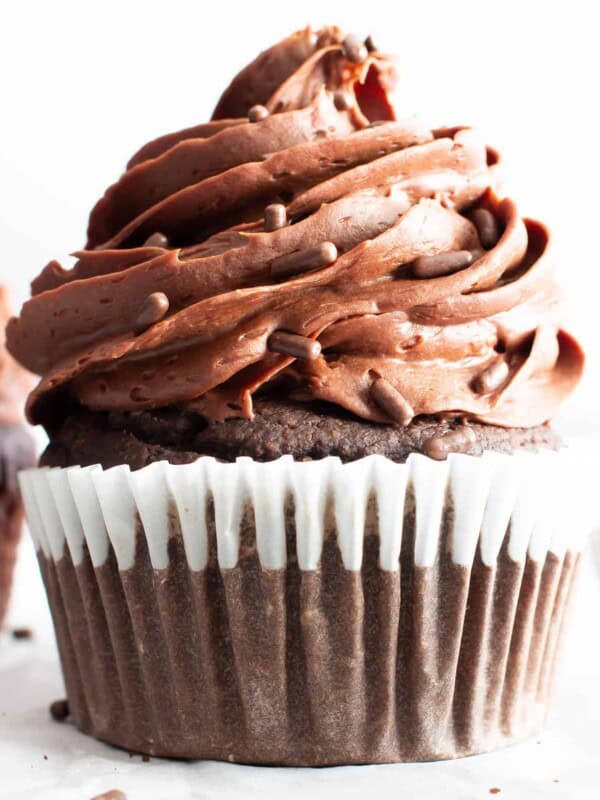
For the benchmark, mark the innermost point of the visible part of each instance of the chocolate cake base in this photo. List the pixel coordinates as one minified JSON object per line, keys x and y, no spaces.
{"x":278,"y":428}
{"x":321,"y":667}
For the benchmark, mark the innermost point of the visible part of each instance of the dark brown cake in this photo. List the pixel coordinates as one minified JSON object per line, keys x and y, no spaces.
{"x":278,"y":428}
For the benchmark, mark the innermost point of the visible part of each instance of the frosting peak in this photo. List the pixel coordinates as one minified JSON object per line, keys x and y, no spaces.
{"x":316,"y":247}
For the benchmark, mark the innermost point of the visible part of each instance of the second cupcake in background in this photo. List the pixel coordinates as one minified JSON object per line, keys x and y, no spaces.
{"x":303,"y":503}
{"x":17,"y":452}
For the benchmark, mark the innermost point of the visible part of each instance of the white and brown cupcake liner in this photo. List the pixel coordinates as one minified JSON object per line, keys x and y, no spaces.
{"x":310,"y":613}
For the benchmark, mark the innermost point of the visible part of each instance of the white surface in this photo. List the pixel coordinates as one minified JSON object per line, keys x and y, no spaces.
{"x":563,"y":763}
{"x":83,"y":85}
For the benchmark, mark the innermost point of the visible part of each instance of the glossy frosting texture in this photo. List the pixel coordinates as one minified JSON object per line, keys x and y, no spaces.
{"x":385,"y":195}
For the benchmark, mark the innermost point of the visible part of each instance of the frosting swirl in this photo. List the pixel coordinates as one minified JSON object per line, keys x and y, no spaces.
{"x":475,"y":334}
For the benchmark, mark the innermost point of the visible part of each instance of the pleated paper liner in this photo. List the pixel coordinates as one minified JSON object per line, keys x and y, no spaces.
{"x":11,"y":520}
{"x":310,"y":613}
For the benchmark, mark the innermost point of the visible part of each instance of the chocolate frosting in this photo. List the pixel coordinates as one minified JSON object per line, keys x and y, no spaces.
{"x":385,"y":195}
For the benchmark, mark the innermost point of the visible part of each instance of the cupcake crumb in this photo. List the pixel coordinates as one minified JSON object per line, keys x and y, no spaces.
{"x":59,"y":710}
{"x":132,"y":754}
{"x":113,"y":794}
{"x":495,"y":790}
{"x":22,"y":634}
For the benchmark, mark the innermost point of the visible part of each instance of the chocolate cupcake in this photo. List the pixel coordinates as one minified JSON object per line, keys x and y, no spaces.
{"x":16,"y":452}
{"x":301,"y":502}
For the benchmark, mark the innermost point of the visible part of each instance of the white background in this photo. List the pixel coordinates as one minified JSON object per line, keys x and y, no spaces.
{"x":84,"y":84}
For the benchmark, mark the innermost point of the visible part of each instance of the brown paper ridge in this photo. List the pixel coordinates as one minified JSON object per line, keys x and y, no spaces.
{"x":309,"y":667}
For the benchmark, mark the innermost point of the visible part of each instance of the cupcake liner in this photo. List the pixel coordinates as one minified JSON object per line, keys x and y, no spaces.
{"x":11,"y":519}
{"x":310,"y":612}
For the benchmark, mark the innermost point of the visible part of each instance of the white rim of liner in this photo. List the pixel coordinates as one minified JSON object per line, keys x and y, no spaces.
{"x":540,"y":498}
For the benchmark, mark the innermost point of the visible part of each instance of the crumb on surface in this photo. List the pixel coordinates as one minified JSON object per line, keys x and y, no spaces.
{"x":59,"y":710}
{"x":22,"y":634}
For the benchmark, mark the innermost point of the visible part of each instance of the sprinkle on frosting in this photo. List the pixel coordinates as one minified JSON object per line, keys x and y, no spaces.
{"x":355,"y":50}
{"x":492,"y":378}
{"x":257,"y":113}
{"x":370,"y":44}
{"x":312,"y":242}
{"x":157,"y":240}
{"x":155,"y":306}
{"x":275,"y":217}
{"x":487,"y":227}
{"x":291,"y":344}
{"x":390,"y":400}
{"x":441,"y":264}
{"x":322,"y":255}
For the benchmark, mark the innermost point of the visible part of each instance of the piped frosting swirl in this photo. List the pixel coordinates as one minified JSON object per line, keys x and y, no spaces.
{"x":409,"y":287}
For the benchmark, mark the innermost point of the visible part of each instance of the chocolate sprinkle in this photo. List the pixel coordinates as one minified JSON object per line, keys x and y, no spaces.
{"x":370,"y":44}
{"x":291,"y":344}
{"x":342,"y":100}
{"x":22,"y":634}
{"x":354,"y":50}
{"x":487,"y":227}
{"x":59,"y":710}
{"x":441,"y":264}
{"x":257,"y":113}
{"x":275,"y":217}
{"x":157,"y":240}
{"x":154,"y":309}
{"x":322,"y":255}
{"x":390,"y":400}
{"x":438,"y":447}
{"x":492,"y":378}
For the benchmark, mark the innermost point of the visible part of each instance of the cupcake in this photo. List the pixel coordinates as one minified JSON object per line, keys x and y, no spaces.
{"x":16,"y":453}
{"x":301,"y":502}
